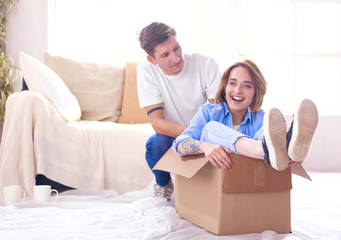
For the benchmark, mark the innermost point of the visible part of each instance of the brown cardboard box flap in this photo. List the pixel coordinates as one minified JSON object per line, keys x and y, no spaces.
{"x":246,"y":175}
{"x":254,"y":175}
{"x":185,"y":166}
{"x":299,"y":170}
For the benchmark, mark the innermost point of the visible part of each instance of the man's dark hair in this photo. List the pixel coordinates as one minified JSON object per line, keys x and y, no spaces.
{"x":154,"y":34}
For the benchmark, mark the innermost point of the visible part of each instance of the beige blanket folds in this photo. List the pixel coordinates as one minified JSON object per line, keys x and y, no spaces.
{"x":83,"y":154}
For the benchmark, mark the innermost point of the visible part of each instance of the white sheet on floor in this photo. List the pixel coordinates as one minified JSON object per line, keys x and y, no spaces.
{"x":316,"y":215}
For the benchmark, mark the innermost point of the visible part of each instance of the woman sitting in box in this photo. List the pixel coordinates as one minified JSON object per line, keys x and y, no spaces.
{"x":236,"y":124}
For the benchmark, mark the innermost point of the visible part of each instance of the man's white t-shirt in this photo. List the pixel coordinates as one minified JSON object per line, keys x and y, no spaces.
{"x":181,"y":94}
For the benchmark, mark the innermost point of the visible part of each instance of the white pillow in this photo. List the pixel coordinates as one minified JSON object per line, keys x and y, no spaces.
{"x":41,"y":78}
{"x":97,"y":86}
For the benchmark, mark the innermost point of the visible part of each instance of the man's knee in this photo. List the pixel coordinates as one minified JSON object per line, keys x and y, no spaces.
{"x":159,"y":140}
{"x":159,"y":143}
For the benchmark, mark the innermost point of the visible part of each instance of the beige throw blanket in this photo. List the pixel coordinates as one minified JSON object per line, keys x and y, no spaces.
{"x":83,"y":155}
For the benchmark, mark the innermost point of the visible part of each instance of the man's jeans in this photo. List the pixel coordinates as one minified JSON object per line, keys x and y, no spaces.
{"x":156,"y":146}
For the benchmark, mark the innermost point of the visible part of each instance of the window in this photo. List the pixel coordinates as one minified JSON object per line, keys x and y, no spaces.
{"x":296,"y":43}
{"x":107,"y":29}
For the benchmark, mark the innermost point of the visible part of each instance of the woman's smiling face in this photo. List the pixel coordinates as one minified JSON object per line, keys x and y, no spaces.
{"x":240,"y":90}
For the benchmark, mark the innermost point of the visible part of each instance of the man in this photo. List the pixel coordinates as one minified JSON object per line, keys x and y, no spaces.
{"x":171,"y":87}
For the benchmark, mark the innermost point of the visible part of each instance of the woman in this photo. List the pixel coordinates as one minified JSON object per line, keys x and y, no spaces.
{"x":236,"y":124}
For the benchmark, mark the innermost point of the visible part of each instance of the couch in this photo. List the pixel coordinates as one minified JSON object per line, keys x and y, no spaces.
{"x":79,"y":125}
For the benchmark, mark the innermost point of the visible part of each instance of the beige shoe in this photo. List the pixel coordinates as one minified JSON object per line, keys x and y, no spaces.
{"x":274,"y":140}
{"x":164,"y":191}
{"x":302,"y":130}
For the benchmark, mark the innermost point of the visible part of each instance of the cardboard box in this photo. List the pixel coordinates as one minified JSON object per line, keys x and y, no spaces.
{"x":251,"y":197}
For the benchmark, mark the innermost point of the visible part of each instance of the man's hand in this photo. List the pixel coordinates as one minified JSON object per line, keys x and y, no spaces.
{"x":217,"y":155}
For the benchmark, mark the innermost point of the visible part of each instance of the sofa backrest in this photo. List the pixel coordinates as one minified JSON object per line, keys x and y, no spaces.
{"x":105,"y":92}
{"x":98,"y":87}
{"x":131,"y":112}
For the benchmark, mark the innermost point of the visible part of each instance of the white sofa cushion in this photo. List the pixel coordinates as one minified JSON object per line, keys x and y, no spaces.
{"x":97,"y":86}
{"x":41,"y":78}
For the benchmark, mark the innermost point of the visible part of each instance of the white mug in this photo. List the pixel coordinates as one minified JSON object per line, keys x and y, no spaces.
{"x":13,"y":194}
{"x":42,"y":193}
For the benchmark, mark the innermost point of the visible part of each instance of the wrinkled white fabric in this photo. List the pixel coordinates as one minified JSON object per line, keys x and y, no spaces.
{"x":104,"y":214}
{"x":82,"y":154}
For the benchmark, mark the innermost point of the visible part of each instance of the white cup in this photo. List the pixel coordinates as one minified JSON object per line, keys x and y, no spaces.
{"x":42,"y":193}
{"x":13,"y":194}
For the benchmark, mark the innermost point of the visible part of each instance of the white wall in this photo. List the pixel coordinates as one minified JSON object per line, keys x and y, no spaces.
{"x":27,"y":31}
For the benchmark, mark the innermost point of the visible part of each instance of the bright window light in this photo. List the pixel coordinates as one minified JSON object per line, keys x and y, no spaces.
{"x":268,"y":27}
{"x":296,"y":43}
{"x":319,"y":79}
{"x":107,"y":29}
{"x":319,"y":27}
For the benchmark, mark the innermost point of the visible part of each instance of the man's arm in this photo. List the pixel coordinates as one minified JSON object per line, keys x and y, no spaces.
{"x":160,"y":124}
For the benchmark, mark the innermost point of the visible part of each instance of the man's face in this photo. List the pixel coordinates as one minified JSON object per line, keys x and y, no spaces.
{"x":168,"y":56}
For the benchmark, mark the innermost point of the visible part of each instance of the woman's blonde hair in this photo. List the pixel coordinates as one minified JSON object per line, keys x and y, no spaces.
{"x":256,"y":75}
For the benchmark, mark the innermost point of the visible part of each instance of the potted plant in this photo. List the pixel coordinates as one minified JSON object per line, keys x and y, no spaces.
{"x":7,"y":68}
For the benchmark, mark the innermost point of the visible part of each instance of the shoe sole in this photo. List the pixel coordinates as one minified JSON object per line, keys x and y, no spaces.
{"x":305,"y":124}
{"x":274,"y":130}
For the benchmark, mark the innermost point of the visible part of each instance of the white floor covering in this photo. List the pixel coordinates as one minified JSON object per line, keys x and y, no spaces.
{"x":85,"y":215}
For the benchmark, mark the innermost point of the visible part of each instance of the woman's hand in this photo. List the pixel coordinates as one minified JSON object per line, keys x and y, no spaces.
{"x":217,"y":155}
